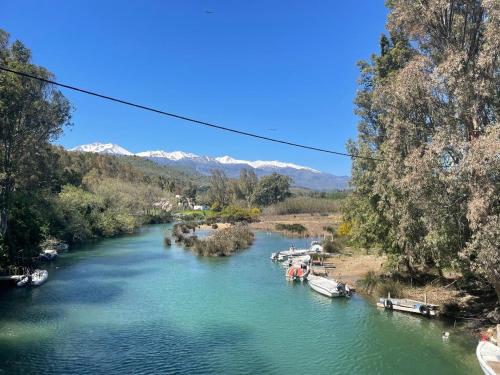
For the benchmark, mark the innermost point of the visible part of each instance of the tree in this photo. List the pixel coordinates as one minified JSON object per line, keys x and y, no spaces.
{"x":32,"y":114}
{"x":429,"y":107}
{"x":247,"y":183}
{"x":272,"y":189}
{"x":219,"y":191}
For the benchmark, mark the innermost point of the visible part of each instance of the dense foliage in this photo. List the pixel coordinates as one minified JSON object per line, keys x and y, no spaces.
{"x":222,"y":242}
{"x":429,"y":105}
{"x":248,"y":190}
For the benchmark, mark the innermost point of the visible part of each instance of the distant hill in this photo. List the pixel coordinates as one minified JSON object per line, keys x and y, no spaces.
{"x":302,"y":176}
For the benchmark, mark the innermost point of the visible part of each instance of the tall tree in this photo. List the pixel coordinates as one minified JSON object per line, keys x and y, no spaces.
{"x":32,"y":113}
{"x":272,"y":189}
{"x":247,"y":183}
{"x":429,"y":105}
{"x":220,"y":194}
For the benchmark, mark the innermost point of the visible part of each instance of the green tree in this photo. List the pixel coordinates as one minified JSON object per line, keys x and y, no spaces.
{"x":219,"y":191}
{"x":32,"y":114}
{"x":247,"y":184}
{"x":272,"y":189}
{"x":428,"y":106}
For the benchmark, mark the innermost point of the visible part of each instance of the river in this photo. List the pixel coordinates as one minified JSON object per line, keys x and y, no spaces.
{"x":128,"y":305}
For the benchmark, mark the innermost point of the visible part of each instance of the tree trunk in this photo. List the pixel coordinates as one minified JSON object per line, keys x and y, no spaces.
{"x":3,"y":221}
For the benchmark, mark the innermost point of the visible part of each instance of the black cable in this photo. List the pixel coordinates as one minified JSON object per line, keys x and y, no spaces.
{"x":184,"y":117}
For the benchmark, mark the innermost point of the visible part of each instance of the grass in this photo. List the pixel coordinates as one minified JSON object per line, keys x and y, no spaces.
{"x":304,"y":205}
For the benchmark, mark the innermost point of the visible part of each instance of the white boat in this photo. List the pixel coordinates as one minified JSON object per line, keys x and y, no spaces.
{"x":408,"y":305}
{"x":316,"y":247}
{"x":488,"y":355}
{"x":48,"y":254}
{"x":23,"y":281}
{"x":292,"y":252}
{"x":297,"y":260}
{"x":38,"y":277}
{"x":327,"y":287}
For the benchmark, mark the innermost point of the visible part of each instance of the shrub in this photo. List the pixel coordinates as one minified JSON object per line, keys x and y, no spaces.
{"x":344,"y":228}
{"x":389,"y":286}
{"x":224,"y":242}
{"x":369,"y":281}
{"x":294,"y":228}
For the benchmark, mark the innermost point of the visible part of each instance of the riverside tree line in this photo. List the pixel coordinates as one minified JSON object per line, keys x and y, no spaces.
{"x":429,"y":107}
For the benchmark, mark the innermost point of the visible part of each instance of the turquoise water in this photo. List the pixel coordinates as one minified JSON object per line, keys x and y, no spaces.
{"x":129,"y":305}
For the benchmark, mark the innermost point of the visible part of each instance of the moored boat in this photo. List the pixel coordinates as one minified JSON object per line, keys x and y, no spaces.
{"x":297,"y":272}
{"x":48,"y":254}
{"x":408,"y":305}
{"x":38,"y":277}
{"x":328,"y":287}
{"x":488,"y":355}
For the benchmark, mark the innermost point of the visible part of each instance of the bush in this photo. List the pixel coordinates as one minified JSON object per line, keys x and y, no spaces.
{"x":389,"y":286}
{"x":369,"y":281}
{"x":294,"y":228}
{"x":224,"y":242}
{"x":233,"y":214}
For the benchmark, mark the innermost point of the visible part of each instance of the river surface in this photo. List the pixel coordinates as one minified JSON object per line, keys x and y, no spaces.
{"x":129,"y":305}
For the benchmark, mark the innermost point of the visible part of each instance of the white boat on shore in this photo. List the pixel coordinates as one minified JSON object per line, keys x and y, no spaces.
{"x":328,"y":287}
{"x":488,"y":355}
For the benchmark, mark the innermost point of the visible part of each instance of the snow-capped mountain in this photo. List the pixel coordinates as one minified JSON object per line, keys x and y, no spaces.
{"x":263,"y":163}
{"x":302,"y":176}
{"x":175,"y":155}
{"x":103,"y":148}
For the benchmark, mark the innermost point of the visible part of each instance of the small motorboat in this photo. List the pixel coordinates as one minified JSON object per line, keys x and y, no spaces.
{"x":297,"y":272}
{"x":408,"y":305}
{"x":38,"y":277}
{"x":316,"y":247}
{"x":48,"y":255}
{"x":297,"y":260}
{"x":328,"y":287}
{"x":488,"y":355}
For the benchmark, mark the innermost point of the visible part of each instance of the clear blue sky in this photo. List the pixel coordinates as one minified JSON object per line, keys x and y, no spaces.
{"x":251,"y":65}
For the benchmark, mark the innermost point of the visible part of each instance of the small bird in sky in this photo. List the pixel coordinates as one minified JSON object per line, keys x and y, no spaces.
{"x":209,"y":12}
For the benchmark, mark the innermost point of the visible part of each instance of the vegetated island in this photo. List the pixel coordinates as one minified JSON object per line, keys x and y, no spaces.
{"x":222,"y":242}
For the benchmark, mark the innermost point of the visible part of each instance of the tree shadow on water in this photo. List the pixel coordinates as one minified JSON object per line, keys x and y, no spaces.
{"x":150,"y":347}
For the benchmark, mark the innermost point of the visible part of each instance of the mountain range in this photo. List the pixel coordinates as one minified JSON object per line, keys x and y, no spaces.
{"x":302,"y":176}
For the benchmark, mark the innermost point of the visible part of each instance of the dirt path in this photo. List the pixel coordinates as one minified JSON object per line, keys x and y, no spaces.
{"x":350,"y":268}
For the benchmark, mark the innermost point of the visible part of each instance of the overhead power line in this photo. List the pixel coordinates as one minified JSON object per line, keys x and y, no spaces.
{"x":180,"y":117}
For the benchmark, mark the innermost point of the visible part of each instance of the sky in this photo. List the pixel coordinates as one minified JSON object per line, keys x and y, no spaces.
{"x":282,"y":69}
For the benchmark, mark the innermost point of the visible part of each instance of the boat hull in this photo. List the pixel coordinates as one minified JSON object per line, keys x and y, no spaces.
{"x":488,"y":355}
